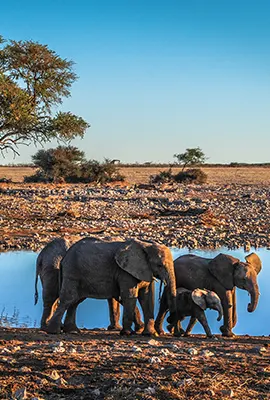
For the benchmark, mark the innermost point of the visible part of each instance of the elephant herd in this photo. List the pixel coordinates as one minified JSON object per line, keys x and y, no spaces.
{"x":125,"y":271}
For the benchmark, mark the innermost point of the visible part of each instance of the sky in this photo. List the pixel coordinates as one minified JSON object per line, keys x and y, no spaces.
{"x":158,"y":77}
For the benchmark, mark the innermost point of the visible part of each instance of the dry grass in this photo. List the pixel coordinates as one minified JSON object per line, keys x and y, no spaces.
{"x":216,"y":175}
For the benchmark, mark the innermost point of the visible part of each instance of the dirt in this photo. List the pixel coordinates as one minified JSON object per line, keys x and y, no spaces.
{"x":98,"y":364}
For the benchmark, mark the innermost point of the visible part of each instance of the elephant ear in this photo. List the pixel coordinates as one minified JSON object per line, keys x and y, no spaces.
{"x":198,"y":296}
{"x":255,"y":261}
{"x":222,"y":267}
{"x":132,"y":259}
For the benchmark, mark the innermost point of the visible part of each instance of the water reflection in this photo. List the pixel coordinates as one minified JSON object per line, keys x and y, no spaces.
{"x":17,"y":275}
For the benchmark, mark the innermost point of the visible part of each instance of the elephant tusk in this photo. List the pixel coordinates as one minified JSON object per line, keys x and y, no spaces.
{"x":155,"y":279}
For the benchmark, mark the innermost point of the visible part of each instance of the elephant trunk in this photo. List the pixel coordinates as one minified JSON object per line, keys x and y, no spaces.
{"x":171,"y":290}
{"x":254,"y":296}
{"x":220,"y":311}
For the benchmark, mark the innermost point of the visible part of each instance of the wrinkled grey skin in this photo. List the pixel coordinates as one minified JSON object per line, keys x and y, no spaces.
{"x":193,"y":304}
{"x":120,"y":270}
{"x":220,"y":274}
{"x":47,"y":268}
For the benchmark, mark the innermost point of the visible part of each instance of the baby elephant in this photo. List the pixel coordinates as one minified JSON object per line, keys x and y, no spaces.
{"x":193,"y":303}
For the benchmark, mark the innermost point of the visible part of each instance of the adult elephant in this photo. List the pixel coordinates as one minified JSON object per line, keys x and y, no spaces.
{"x":221,"y":275}
{"x":120,"y":270}
{"x":47,"y":268}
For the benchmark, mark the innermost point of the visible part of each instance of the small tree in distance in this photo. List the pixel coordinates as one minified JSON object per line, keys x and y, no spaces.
{"x":194,"y":156}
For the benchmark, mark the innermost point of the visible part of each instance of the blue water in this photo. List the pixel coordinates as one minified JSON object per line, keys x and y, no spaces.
{"x":17,"y":276}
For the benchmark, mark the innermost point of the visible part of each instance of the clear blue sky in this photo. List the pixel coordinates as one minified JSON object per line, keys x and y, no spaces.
{"x":157,"y":77}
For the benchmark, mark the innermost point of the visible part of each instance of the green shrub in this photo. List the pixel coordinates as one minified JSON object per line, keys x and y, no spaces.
{"x":5,"y":180}
{"x":162,"y":177}
{"x":68,"y":164}
{"x":191,"y":176}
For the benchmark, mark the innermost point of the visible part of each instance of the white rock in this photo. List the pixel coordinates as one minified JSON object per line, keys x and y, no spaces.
{"x":54,"y":375}
{"x":150,"y":390}
{"x":207,"y":353}
{"x":155,"y":360}
{"x":153,"y":342}
{"x":192,"y":351}
{"x":25,"y":369}
{"x":165,"y":352}
{"x":137,"y":349}
{"x":96,"y":392}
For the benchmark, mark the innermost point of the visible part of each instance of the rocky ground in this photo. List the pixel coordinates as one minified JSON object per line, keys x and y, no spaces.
{"x":101,"y":365}
{"x":194,"y":216}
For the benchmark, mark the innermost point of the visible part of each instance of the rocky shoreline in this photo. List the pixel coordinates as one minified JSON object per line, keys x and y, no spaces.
{"x":103,"y":365}
{"x":193,"y":216}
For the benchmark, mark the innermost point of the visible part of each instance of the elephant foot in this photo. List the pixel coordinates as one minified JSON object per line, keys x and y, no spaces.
{"x":115,"y":327}
{"x":179,"y":334}
{"x":170,"y":328}
{"x":127,"y":332}
{"x":71,"y":328}
{"x":150,"y":333}
{"x":139,"y":328}
{"x":226,"y":332}
{"x":43,"y":328}
{"x":160,"y":332}
{"x":209,"y":336}
{"x":53,"y":330}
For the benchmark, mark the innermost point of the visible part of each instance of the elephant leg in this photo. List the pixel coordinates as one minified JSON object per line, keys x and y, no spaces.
{"x":190,"y":326}
{"x":129,"y":304}
{"x":114,"y":310}
{"x":163,"y":309}
{"x":227,"y":305}
{"x":146,"y":299}
{"x":138,"y":323}
{"x":234,"y":312}
{"x":70,"y":319}
{"x":202,"y":319}
{"x":50,"y":303}
{"x":68,"y":297}
{"x":177,"y":329}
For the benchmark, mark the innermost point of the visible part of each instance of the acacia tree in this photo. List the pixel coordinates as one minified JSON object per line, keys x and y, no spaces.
{"x":192,"y":156}
{"x":33,"y":82}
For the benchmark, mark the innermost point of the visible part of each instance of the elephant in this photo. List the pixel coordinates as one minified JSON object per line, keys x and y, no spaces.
{"x":47,"y":268}
{"x":193,"y":303}
{"x":221,"y":274}
{"x":120,"y":270}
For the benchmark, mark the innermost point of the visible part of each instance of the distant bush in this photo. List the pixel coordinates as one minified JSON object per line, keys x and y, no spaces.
{"x":38,"y":177}
{"x":5,"y":180}
{"x":191,"y":176}
{"x":94,"y":171}
{"x":162,"y":177}
{"x":68,"y":164}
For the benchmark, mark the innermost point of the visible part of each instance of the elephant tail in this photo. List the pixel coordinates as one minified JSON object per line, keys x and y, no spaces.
{"x":36,"y":283}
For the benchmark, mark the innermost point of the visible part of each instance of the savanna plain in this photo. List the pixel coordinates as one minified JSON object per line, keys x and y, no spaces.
{"x":231,"y":210}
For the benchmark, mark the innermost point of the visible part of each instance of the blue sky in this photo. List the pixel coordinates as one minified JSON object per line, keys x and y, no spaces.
{"x":157,"y":77}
